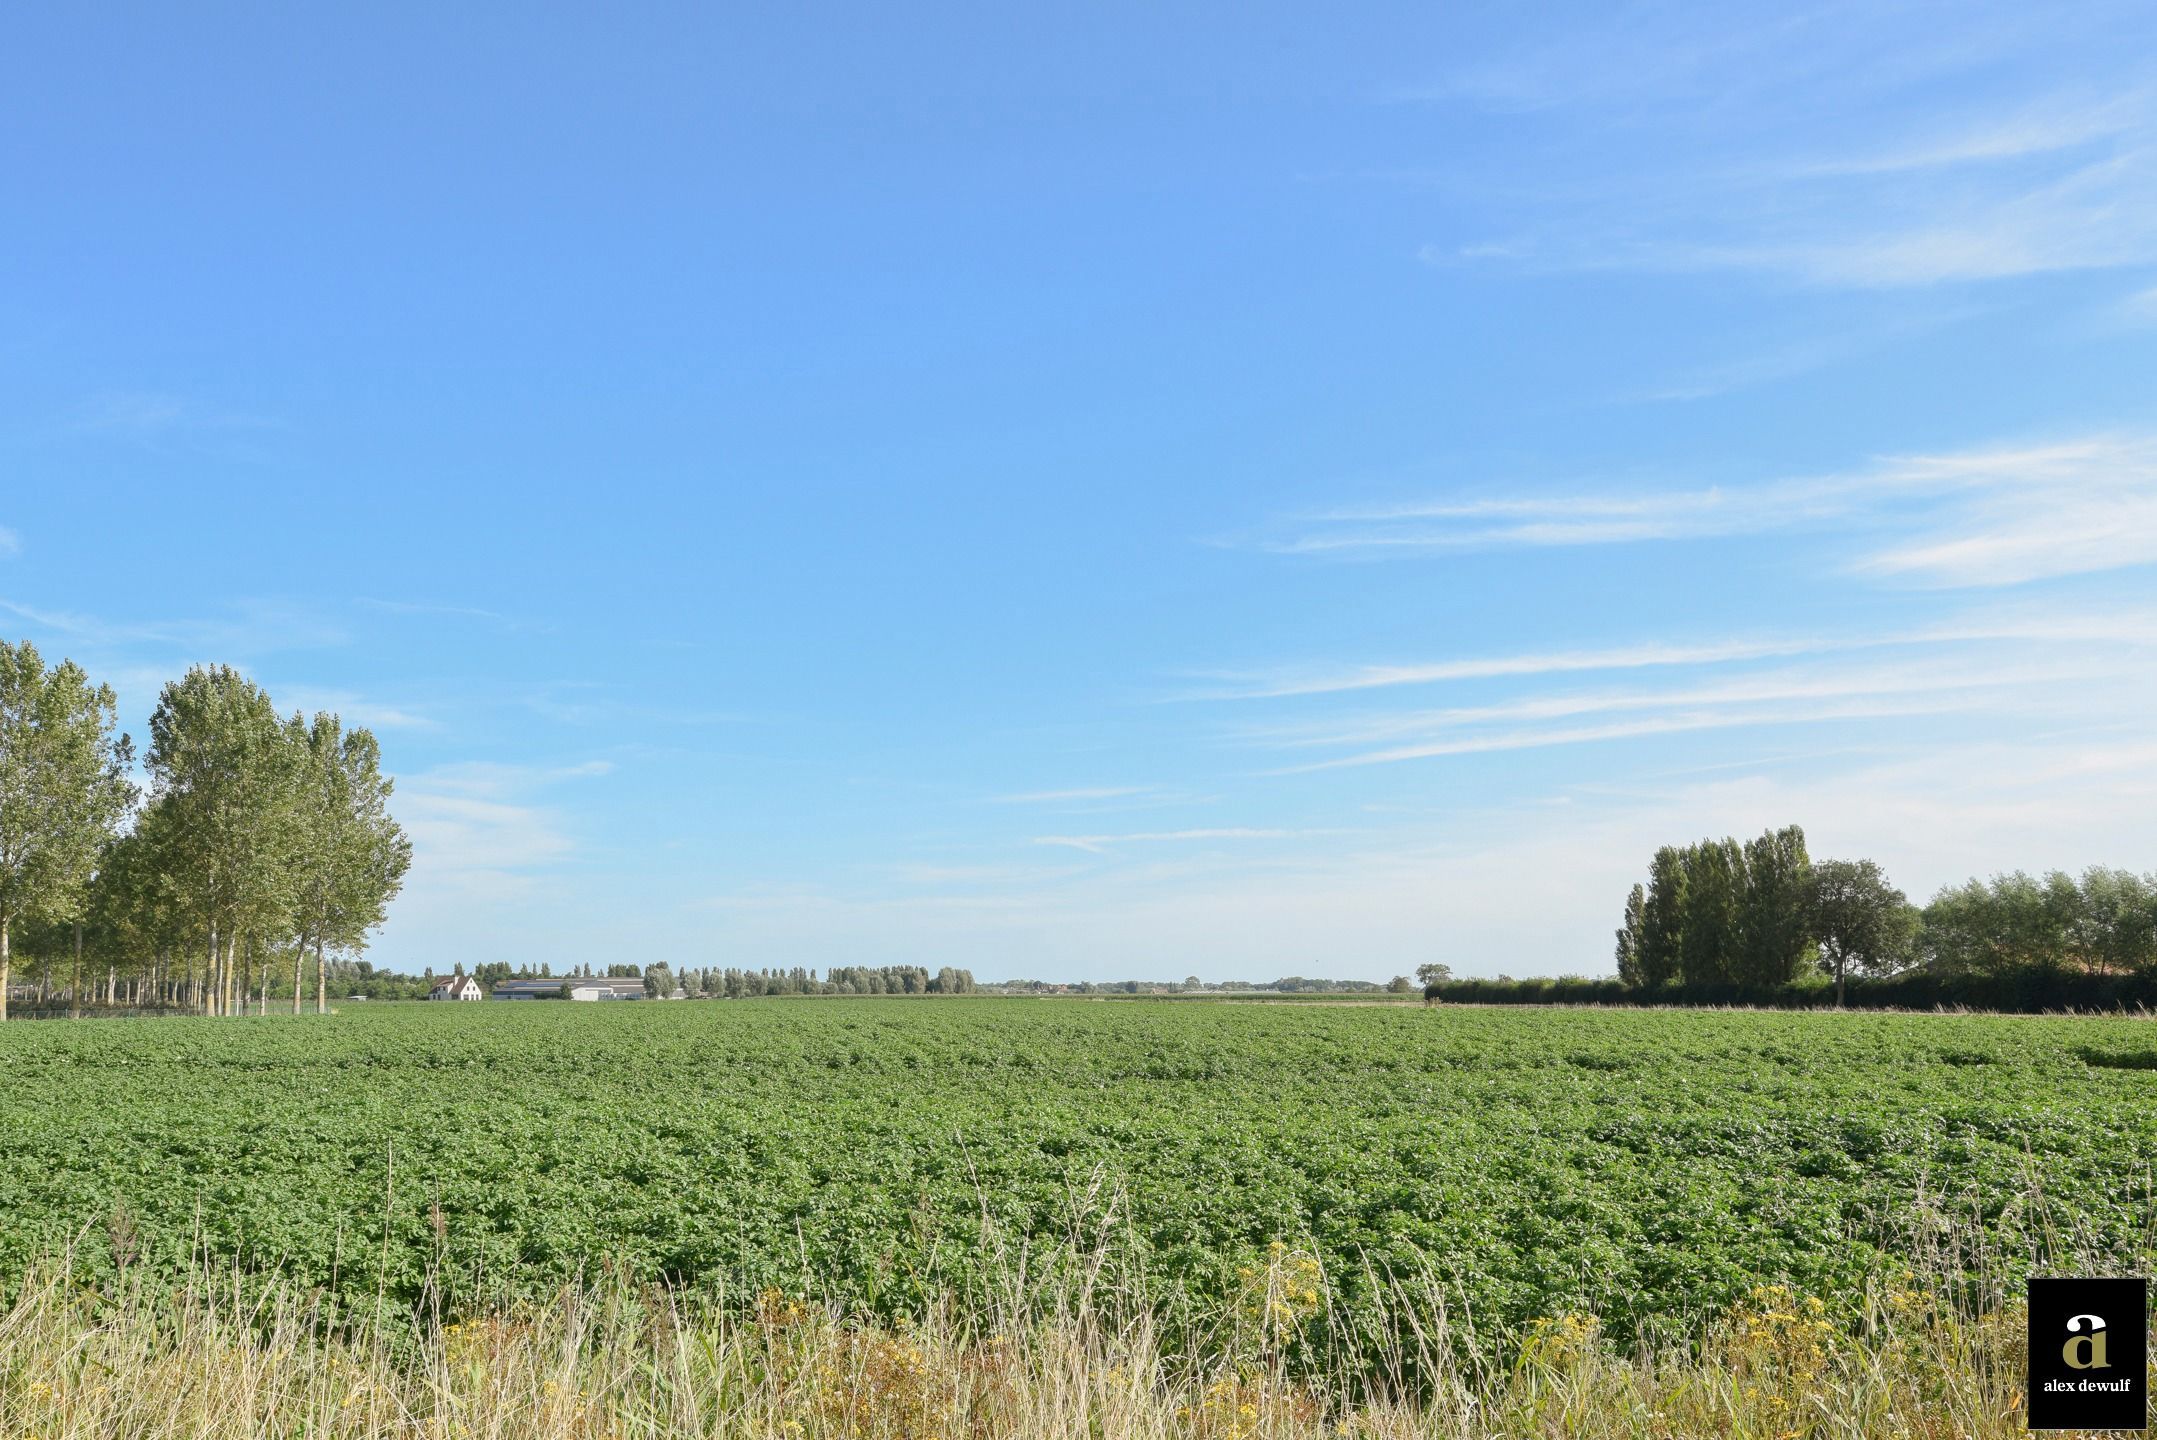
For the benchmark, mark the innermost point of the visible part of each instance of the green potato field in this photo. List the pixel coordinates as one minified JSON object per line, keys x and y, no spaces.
{"x":1646,"y":1166}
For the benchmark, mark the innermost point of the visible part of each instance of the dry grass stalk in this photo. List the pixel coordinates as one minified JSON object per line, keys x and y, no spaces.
{"x":223,"y":1361}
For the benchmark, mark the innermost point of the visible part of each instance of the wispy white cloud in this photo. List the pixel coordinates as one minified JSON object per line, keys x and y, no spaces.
{"x":1635,"y":60}
{"x":1081,"y":793}
{"x":139,"y":658}
{"x":1099,"y":844}
{"x":1987,"y":516}
{"x":2024,"y":538}
{"x":1795,"y":355}
{"x":1546,"y":521}
{"x":2125,"y":625}
{"x":1989,"y":678}
{"x":352,"y":709}
{"x":2063,"y":690}
{"x":593,"y":705}
{"x":144,"y":411}
{"x":800,"y":908}
{"x":10,"y":543}
{"x":1678,"y":722}
{"x":495,"y":779}
{"x":2043,"y":128}
{"x":459,"y":836}
{"x":251,"y":627}
{"x":160,"y":420}
{"x":1783,"y":363}
{"x":1844,"y":145}
{"x":1103,"y":799}
{"x":425,"y":608}
{"x":2032,"y":513}
{"x":1002,"y":874}
{"x":2100,"y":215}
{"x":1373,"y":677}
{"x":482,"y":829}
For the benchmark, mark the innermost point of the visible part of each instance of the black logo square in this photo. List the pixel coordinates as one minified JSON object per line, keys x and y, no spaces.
{"x":2089,"y":1354}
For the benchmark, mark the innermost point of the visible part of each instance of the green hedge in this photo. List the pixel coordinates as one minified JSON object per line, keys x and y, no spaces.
{"x":2031,"y":991}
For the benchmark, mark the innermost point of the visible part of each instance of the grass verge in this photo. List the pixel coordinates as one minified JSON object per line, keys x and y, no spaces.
{"x":238,"y":1358}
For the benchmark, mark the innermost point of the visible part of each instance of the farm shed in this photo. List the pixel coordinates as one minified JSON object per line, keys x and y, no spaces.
{"x":581,"y":987}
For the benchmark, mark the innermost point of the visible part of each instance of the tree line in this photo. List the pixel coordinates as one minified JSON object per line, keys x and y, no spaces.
{"x":1192,"y":985}
{"x":258,"y":842}
{"x":1763,"y":923}
{"x":1763,"y":914}
{"x":713,"y":983}
{"x":1719,"y":912}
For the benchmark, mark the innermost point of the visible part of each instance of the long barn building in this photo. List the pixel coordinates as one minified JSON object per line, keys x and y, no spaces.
{"x":581,"y":987}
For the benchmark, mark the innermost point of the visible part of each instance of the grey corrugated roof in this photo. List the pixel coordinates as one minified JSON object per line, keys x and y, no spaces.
{"x":555,"y":982}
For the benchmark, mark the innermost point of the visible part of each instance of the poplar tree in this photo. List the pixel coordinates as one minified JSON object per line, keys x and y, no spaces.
{"x":351,"y":857}
{"x":1777,"y":940}
{"x":1711,"y":915}
{"x":1662,"y":919}
{"x":63,"y":790}
{"x":1630,"y":936}
{"x":155,"y":902}
{"x":132,"y":921}
{"x":225,"y":778}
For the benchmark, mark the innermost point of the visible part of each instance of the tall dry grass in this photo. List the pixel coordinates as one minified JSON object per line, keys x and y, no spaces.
{"x":239,"y":1358}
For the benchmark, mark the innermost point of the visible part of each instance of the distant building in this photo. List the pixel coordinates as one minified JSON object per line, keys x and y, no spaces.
{"x":455,"y":987}
{"x":580,"y":987}
{"x":528,"y":989}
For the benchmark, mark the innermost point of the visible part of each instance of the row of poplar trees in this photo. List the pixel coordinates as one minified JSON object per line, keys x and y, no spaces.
{"x":1722,"y":912}
{"x":1761,"y":915}
{"x":258,"y":839}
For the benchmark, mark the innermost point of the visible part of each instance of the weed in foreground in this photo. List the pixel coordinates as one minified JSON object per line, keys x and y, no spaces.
{"x":594,"y":1363}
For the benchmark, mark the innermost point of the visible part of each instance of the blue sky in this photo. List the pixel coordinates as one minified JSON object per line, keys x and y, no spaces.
{"x":1108,"y":491}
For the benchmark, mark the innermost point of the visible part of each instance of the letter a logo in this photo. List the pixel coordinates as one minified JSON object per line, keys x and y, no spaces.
{"x":2085,"y":1348}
